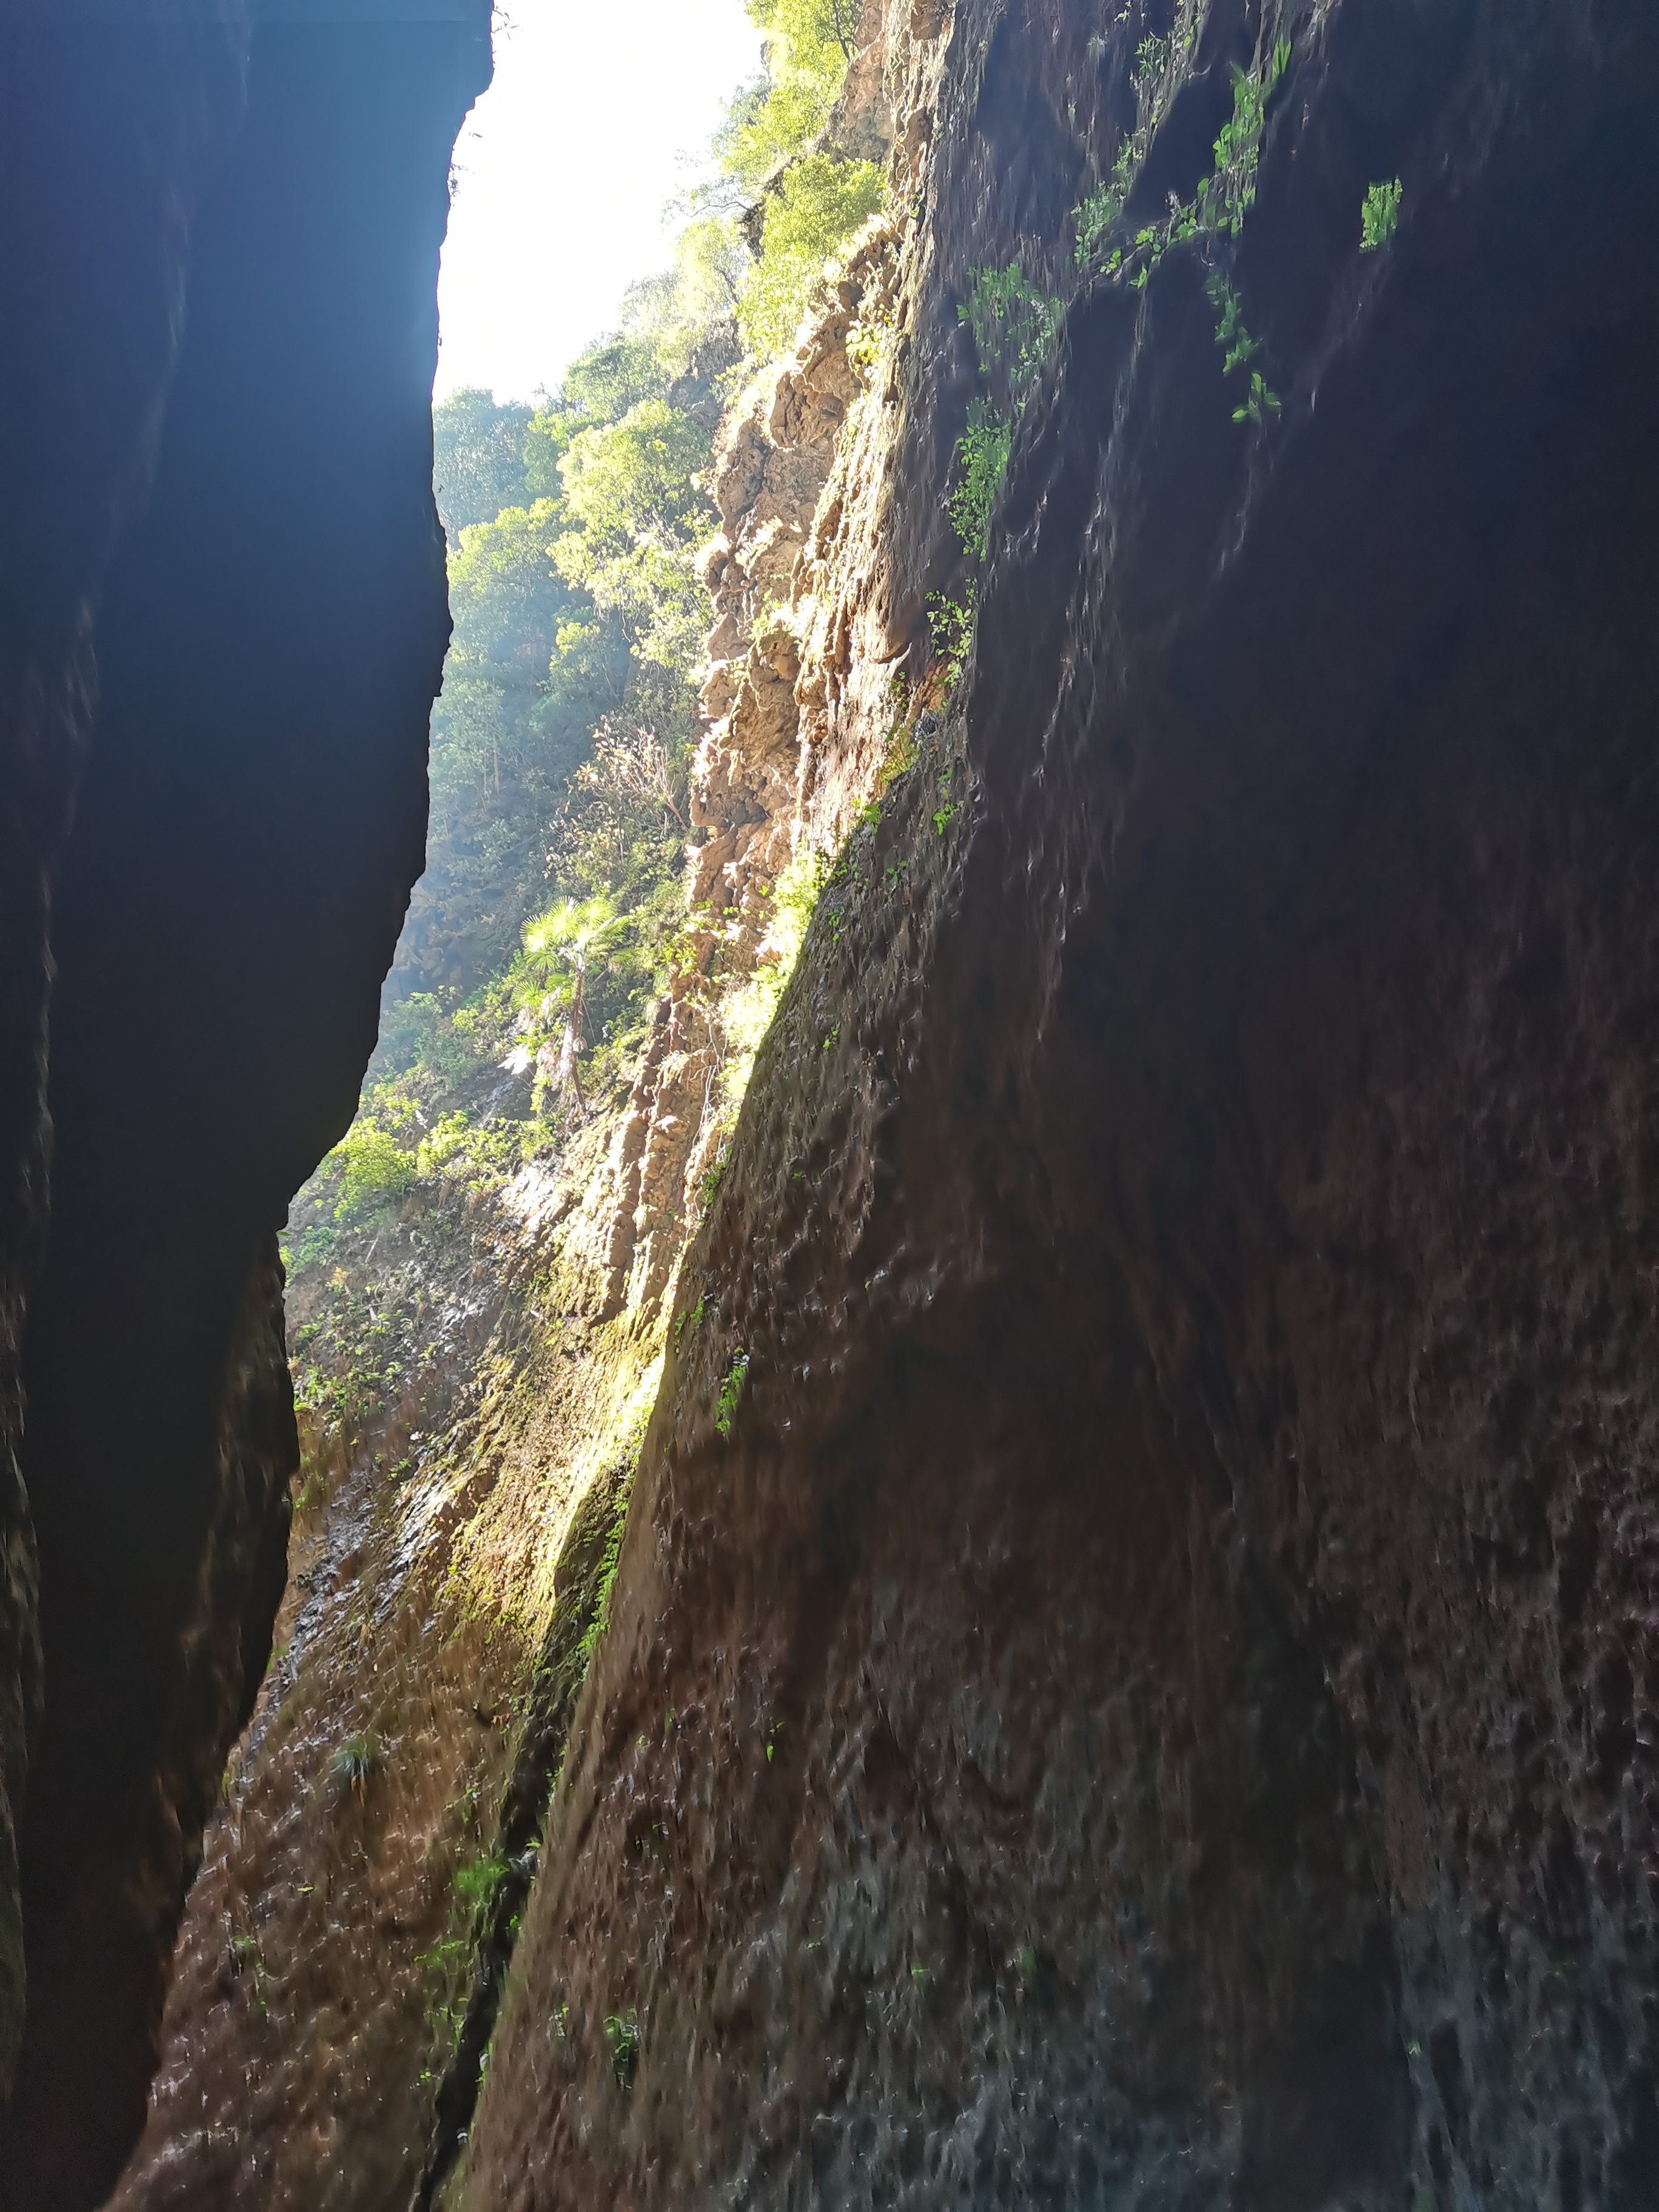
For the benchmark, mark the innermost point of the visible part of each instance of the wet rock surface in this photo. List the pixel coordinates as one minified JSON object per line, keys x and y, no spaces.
{"x":1130,"y":1673}
{"x":1145,"y":1692}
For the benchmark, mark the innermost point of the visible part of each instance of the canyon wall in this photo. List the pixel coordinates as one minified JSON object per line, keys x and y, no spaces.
{"x":1127,"y":1676}
{"x":108,"y":132}
{"x":1132,"y":1676}
{"x":219,"y":256}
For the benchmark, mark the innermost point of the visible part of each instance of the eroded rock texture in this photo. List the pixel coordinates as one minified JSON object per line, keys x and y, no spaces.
{"x":1145,"y":1694}
{"x":256,"y":215}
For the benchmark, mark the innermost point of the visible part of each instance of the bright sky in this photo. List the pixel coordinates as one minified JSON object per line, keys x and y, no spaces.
{"x":564,"y":169}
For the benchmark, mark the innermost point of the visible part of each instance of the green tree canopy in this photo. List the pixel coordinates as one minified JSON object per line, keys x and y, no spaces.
{"x":809,"y":44}
{"x":818,"y":204}
{"x":637,"y":515}
{"x":477,"y":458}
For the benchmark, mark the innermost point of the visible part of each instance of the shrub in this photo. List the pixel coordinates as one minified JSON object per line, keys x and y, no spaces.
{"x":725,"y":1402}
{"x":478,"y":1879}
{"x":378,"y":1171}
{"x":1379,"y":216}
{"x":982,"y":451}
{"x":817,"y":206}
{"x":356,"y":1762}
{"x":622,"y":2036}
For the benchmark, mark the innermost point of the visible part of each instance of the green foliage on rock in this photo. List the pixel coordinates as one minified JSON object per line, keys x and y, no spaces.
{"x":1379,"y":215}
{"x":816,"y":207}
{"x":982,"y":456}
{"x":809,"y":44}
{"x":375,"y":1170}
{"x":1014,"y":323}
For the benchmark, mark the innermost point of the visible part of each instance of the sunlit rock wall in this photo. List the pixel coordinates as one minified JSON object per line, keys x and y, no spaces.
{"x":254,"y":684}
{"x":1132,"y":1676}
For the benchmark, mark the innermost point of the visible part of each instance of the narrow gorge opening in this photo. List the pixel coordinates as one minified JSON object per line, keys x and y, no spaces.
{"x":828,"y":1369}
{"x":616,"y":883}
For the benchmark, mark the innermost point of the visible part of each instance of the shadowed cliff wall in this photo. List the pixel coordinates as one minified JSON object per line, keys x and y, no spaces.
{"x":109,"y":129}
{"x":252,"y":816}
{"x":1147,"y":1693}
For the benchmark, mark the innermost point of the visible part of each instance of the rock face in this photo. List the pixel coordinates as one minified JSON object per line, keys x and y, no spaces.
{"x":108,"y":131}
{"x":255,"y":217}
{"x":1133,"y":1673}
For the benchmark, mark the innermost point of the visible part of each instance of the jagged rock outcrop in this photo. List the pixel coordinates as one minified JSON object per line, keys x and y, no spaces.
{"x":1131,"y":1675}
{"x":246,"y":224}
{"x":774,"y":456}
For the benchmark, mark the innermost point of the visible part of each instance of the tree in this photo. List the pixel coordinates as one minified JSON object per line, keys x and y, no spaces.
{"x":819,"y":203}
{"x":478,"y":458}
{"x":637,"y":515}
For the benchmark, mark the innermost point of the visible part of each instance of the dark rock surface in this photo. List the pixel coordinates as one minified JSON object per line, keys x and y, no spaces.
{"x":251,"y":818}
{"x":108,"y":130}
{"x":1153,"y":1700}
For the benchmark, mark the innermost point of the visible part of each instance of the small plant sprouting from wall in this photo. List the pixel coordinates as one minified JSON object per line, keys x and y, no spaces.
{"x":1379,"y":215}
{"x":1259,"y":404}
{"x":1157,"y":65}
{"x":982,"y":451}
{"x":1015,"y":324}
{"x":609,"y":1561}
{"x":621,"y":2037}
{"x":356,"y":1762}
{"x":1212,"y":218}
{"x":693,"y":1319}
{"x":951,"y":621}
{"x":478,"y":1879}
{"x":726,"y":1404}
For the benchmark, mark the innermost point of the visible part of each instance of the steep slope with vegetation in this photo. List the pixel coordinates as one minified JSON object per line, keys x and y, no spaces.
{"x":1131,"y":1673}
{"x":478,"y":1274}
{"x":978,"y":1381}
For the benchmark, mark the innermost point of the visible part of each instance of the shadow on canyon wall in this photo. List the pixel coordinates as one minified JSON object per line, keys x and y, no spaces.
{"x":1132,"y":1674}
{"x":234,"y":235}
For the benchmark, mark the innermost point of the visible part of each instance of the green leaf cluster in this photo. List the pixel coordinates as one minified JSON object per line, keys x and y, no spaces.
{"x":725,"y":1401}
{"x":1223,"y":197}
{"x":816,"y":206}
{"x":982,"y":454}
{"x":809,"y":44}
{"x":1379,"y":215}
{"x":1015,"y":324}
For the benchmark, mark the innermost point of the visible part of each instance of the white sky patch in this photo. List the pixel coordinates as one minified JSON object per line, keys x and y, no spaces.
{"x":564,"y":171}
